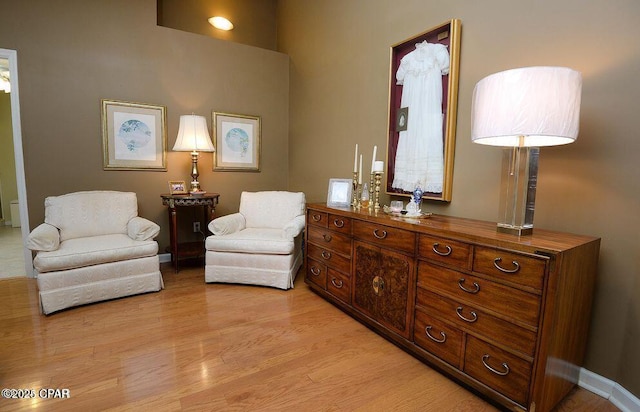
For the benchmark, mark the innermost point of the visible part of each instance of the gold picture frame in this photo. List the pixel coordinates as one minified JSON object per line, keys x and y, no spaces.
{"x":237,"y":142}
{"x":447,"y":35}
{"x":177,"y":187}
{"x":134,"y":136}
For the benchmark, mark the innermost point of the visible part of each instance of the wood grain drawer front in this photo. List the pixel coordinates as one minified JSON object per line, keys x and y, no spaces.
{"x":329,"y":258}
{"x":474,"y":320}
{"x":339,"y":285}
{"x":330,"y":240}
{"x":317,"y":218}
{"x":339,"y":223}
{"x":385,"y":236}
{"x":511,"y":303}
{"x":438,"y":338}
{"x":317,"y":273}
{"x":449,"y":252}
{"x":519,"y":269}
{"x":498,"y":369}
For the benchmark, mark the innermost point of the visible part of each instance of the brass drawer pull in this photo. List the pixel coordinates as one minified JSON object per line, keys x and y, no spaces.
{"x":338,"y":223}
{"x":473,"y":291}
{"x":470,"y":320}
{"x":316,"y":218}
{"x":437,"y":252}
{"x":326,"y":255}
{"x":497,"y":372}
{"x":337,"y":284}
{"x":444,"y":335}
{"x":327,"y":238}
{"x":315,"y":271}
{"x":496,"y":263}
{"x":378,"y":285}
{"x":382,"y":236}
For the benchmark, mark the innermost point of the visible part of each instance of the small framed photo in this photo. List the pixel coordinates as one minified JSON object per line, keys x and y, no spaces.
{"x":134,"y":136}
{"x":177,"y":187}
{"x":339,"y":193}
{"x":237,"y":142}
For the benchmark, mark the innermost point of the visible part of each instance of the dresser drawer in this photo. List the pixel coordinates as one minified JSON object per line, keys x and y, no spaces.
{"x":449,"y":252}
{"x":498,"y":369}
{"x":329,"y":258}
{"x":512,"y":267}
{"x":330,"y":240}
{"x":317,"y":218}
{"x":339,"y":285}
{"x":474,"y":320}
{"x":385,"y":236}
{"x":512,"y":303}
{"x":317,"y":273}
{"x":438,"y":338}
{"x":339,"y":223}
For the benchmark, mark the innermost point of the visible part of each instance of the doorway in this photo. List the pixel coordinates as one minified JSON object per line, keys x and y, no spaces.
{"x":9,"y":63}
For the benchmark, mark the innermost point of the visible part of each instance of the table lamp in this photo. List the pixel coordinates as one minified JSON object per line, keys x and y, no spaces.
{"x":522,"y":110}
{"x":193,"y":137}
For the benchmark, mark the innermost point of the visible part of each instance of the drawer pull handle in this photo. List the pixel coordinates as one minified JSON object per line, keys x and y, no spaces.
{"x":326,"y":255}
{"x":437,"y":252}
{"x":496,"y":263}
{"x":327,"y":238}
{"x":378,"y":285}
{"x":338,"y":223}
{"x":337,"y":283}
{"x":316,"y":218}
{"x":470,"y":320}
{"x":382,"y":236}
{"x":315,"y":271}
{"x":444,"y":336}
{"x":473,"y":291}
{"x":506,"y":371}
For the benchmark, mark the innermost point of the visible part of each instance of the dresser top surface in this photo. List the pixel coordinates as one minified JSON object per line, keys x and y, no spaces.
{"x":467,"y":230}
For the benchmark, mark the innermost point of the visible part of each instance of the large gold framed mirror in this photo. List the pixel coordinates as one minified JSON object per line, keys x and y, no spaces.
{"x":423,"y":106}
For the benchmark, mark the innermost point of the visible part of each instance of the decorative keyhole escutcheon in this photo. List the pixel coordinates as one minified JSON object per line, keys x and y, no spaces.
{"x":378,"y":285}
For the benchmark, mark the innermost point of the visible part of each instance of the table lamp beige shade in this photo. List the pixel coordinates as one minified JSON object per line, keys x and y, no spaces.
{"x":193,"y":136}
{"x":524,"y":109}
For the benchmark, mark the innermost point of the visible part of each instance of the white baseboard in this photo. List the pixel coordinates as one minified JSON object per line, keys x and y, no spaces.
{"x":608,"y":389}
{"x":164,"y":257}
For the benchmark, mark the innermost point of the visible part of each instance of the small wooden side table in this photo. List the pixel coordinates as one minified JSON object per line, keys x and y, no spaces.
{"x":188,"y":249}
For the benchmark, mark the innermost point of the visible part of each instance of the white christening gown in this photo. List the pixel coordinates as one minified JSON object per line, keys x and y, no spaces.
{"x":420,"y":152}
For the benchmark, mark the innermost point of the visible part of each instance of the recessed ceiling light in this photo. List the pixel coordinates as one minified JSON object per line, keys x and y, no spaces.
{"x":221,"y":23}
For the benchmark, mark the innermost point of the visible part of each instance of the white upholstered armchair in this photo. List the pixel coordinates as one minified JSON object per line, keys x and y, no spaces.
{"x":93,"y":246}
{"x":259,"y":245}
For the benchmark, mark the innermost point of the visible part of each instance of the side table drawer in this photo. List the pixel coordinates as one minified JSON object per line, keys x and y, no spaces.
{"x":498,"y":369}
{"x":512,"y":267}
{"x":385,"y":236}
{"x":339,"y":285}
{"x":449,"y":252}
{"x":330,"y":240}
{"x":437,"y":337}
{"x":329,"y":258}
{"x":317,"y":273}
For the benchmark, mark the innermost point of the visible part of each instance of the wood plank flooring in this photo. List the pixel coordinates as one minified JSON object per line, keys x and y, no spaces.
{"x":217,"y":347}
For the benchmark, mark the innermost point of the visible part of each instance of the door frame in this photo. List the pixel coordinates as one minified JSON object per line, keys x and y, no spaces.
{"x":12,"y":57}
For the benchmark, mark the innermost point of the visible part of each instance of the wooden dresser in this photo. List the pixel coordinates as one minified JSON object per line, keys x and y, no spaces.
{"x":507,"y":316}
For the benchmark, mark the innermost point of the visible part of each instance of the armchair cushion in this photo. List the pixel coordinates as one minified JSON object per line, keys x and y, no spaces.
{"x":44,"y":237}
{"x":140,"y":228}
{"x":228,"y":224}
{"x":271,"y":209}
{"x":252,"y":240}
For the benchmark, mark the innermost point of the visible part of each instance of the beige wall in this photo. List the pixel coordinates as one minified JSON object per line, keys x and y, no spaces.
{"x":253,"y":20}
{"x":76,"y":52}
{"x":339,"y":53}
{"x":8,"y":186}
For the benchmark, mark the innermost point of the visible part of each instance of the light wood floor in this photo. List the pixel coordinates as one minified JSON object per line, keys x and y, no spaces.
{"x":217,"y":347}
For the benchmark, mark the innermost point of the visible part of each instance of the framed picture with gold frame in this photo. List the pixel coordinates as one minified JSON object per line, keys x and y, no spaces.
{"x":422,"y":132}
{"x":177,"y":187}
{"x":134,"y":136}
{"x":237,"y":142}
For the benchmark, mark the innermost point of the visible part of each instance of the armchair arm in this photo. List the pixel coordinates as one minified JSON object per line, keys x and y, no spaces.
{"x":140,"y":228}
{"x":225,"y":225}
{"x":294,"y":227}
{"x":44,"y":237}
